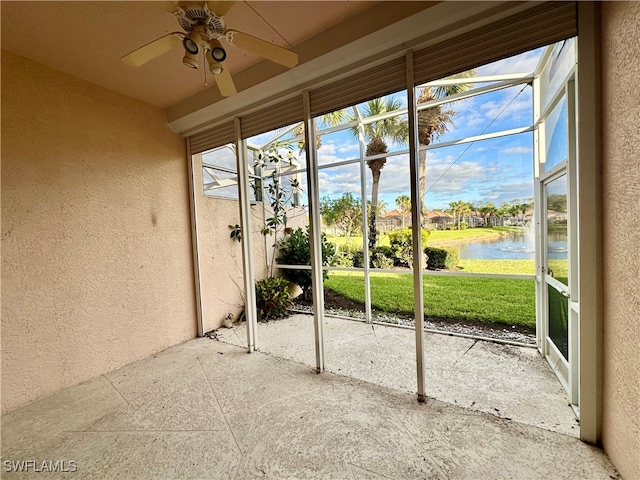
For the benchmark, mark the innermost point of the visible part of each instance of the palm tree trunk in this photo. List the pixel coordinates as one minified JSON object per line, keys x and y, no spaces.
{"x":422,"y":168}
{"x":373,"y":233}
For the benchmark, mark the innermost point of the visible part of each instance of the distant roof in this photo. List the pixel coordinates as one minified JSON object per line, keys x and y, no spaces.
{"x":392,"y":213}
{"x":437,"y":214}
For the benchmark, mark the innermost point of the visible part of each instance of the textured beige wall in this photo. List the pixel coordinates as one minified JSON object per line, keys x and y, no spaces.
{"x":621,"y":211}
{"x":220,"y":257}
{"x":96,"y":247}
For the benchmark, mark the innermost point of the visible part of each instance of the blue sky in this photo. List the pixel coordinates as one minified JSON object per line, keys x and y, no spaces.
{"x":496,"y":170}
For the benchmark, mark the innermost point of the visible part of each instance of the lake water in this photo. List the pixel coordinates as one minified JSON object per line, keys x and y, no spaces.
{"x":515,"y":246}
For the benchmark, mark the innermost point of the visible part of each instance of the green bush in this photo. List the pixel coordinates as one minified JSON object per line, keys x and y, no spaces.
{"x":358,"y":258}
{"x":295,"y":249}
{"x":442,"y":257}
{"x":347,"y":256}
{"x":384,"y":250}
{"x":402,"y":246}
{"x":272,"y":298}
{"x":343,"y":259}
{"x":380,"y":260}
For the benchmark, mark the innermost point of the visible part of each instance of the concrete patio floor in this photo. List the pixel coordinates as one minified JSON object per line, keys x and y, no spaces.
{"x":207,"y":409}
{"x":504,"y":380}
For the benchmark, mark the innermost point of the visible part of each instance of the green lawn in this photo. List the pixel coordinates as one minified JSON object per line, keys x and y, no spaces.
{"x":506,"y":301}
{"x":508,"y":267}
{"x":494,"y":300}
{"x":356,"y":240}
{"x":444,"y":236}
{"x":436,"y":237}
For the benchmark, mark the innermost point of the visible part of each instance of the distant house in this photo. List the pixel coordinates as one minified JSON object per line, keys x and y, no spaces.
{"x":392,"y":220}
{"x":474,"y":219}
{"x":439,"y":219}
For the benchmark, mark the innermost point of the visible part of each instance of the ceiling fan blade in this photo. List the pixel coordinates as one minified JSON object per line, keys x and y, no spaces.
{"x":263,"y":48}
{"x":220,"y":8}
{"x":153,"y":49}
{"x":225,"y":82}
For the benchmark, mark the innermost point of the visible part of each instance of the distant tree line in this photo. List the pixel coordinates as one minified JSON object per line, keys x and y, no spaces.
{"x":345,"y":213}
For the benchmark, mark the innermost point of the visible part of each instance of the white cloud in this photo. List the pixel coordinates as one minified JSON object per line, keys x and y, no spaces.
{"x":339,"y":180}
{"x":507,"y":108}
{"x":525,"y":62}
{"x":349,"y":148}
{"x":505,"y":192}
{"x":517,"y":150}
{"x":327,"y":148}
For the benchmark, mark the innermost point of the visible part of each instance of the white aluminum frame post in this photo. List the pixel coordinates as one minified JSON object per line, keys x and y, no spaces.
{"x":416,"y":210}
{"x":250,"y":311}
{"x":314,"y":232}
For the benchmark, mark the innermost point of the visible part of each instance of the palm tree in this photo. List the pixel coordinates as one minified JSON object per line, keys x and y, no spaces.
{"x":487,"y":210}
{"x":456,"y":208}
{"x":526,"y":206}
{"x":435,"y":121}
{"x":504,"y":211}
{"x":330,"y":119}
{"x":514,"y":208}
{"x":404,"y":204}
{"x":377,"y":134}
{"x":465,"y":209}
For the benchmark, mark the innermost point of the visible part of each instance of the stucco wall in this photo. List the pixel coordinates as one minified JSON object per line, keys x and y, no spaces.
{"x":96,"y":246}
{"x":621,"y":211}
{"x":220,"y":257}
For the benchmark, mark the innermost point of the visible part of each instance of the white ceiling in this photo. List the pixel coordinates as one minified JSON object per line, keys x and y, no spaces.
{"x":86,"y":39}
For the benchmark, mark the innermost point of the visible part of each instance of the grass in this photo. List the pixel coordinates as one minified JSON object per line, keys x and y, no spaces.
{"x":444,"y":236}
{"x":507,"y":267}
{"x":492,"y":300}
{"x":356,"y":240}
{"x":436,"y":237}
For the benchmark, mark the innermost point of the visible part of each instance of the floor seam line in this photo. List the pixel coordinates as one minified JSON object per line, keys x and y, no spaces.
{"x":465,"y":352}
{"x":351,"y":465}
{"x":219,"y":406}
{"x":421,"y":447}
{"x":116,"y":389}
{"x":144,"y":431}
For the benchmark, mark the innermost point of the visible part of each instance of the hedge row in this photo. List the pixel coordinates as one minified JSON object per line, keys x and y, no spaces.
{"x":437,"y":258}
{"x":442,"y":257}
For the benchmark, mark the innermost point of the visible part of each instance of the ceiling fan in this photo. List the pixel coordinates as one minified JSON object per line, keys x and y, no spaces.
{"x":204,"y":26}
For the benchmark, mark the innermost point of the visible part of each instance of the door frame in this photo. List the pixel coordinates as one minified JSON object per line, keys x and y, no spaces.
{"x":587,"y":192}
{"x":562,"y":87}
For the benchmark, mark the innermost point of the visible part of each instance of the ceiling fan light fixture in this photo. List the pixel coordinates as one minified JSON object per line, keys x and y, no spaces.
{"x":191,"y":42}
{"x":215,"y":68}
{"x":190,"y":46}
{"x":218,"y":54}
{"x":190,"y":60}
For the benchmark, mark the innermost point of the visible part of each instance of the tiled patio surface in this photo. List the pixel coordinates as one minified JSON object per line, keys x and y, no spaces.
{"x":503,"y":380}
{"x":207,"y":409}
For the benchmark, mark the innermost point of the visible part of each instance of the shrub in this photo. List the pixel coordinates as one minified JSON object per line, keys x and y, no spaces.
{"x":442,"y":257}
{"x":343,"y":258}
{"x":384,"y":250}
{"x":380,"y":260}
{"x":402,"y":246}
{"x":358,"y":258}
{"x":272,"y":298}
{"x":295,"y":249}
{"x":347,"y":256}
